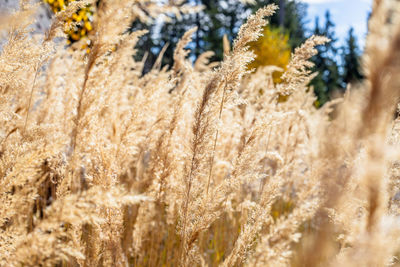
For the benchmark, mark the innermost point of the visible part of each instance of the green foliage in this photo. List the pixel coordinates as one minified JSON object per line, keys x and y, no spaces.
{"x":290,"y":17}
{"x":219,"y":18}
{"x":329,"y":77}
{"x":224,"y":17}
{"x":351,"y":59}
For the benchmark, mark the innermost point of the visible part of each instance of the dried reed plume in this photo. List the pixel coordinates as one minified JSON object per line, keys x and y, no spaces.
{"x":197,"y":164}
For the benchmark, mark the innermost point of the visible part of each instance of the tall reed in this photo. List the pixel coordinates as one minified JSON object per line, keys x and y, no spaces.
{"x":196,"y":164}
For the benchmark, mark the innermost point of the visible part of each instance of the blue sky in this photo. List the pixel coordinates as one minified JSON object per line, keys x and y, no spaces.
{"x":344,"y":13}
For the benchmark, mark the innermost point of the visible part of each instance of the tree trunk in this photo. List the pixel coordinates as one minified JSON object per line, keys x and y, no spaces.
{"x":282,"y":12}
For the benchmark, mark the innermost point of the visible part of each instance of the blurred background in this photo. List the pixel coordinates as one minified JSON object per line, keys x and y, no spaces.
{"x":338,"y":63}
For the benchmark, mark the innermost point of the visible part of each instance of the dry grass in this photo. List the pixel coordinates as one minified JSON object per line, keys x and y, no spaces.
{"x":197,"y":165}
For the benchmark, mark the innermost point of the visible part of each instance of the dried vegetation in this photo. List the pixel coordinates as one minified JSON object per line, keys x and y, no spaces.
{"x":196,"y":165}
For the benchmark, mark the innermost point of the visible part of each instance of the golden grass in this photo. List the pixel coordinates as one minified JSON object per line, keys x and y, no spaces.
{"x":196,"y":165}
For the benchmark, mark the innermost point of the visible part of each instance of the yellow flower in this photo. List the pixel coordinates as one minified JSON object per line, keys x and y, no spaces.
{"x":88,"y":26}
{"x":75,"y":17}
{"x":61,"y":3}
{"x":75,"y":36}
{"x":82,"y":19}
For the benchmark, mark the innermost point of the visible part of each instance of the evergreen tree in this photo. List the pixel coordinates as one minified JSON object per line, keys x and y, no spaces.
{"x":218,"y":18}
{"x":351,"y":59}
{"x":144,"y":45}
{"x":328,"y":78}
{"x":290,"y":18}
{"x":169,"y":35}
{"x":162,"y":34}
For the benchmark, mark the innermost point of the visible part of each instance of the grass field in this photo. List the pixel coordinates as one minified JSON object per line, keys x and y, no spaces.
{"x":199,"y":164}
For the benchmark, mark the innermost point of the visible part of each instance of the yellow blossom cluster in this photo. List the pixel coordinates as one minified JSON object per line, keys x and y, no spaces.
{"x":79,"y":24}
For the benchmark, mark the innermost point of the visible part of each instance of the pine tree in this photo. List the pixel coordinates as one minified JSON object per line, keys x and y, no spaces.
{"x":328,"y":79}
{"x":219,"y":18}
{"x":161,"y":34}
{"x":351,"y":59}
{"x":170,"y":33}
{"x":290,"y":18}
{"x":222,"y":17}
